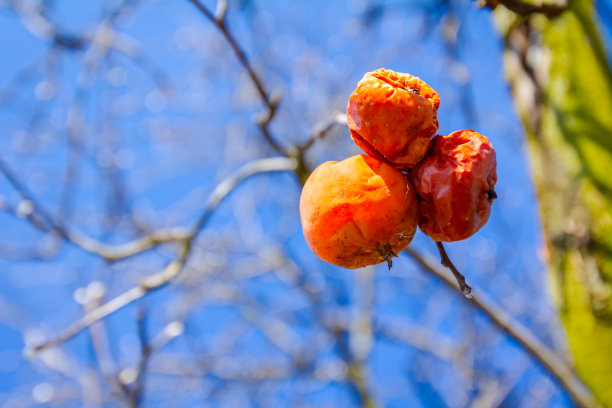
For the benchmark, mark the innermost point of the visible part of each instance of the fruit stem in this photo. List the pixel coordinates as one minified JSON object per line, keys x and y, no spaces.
{"x":389,"y":260}
{"x":387,"y":253}
{"x":492,"y":195}
{"x":445,"y":261}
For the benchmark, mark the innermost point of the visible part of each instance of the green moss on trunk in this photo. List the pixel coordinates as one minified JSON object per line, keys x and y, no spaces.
{"x":562,"y":86}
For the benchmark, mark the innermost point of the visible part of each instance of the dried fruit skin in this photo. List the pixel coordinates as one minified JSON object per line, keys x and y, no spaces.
{"x":358,"y":212}
{"x":455,"y":184}
{"x":393,"y":116}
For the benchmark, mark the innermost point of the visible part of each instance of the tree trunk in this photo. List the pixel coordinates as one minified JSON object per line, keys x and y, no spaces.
{"x":562,"y":88}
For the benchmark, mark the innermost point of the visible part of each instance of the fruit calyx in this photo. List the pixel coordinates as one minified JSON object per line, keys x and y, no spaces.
{"x":387,"y":254}
{"x":491,"y":194}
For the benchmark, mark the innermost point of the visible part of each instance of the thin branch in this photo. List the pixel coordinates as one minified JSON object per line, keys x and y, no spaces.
{"x":267,"y":165}
{"x":174,"y":268}
{"x":41,"y":218}
{"x":271,"y":102}
{"x":135,"y":386}
{"x":46,"y":220}
{"x":525,"y":9}
{"x":356,"y":373}
{"x":221,"y":10}
{"x":92,"y":297}
{"x":117,"y":252}
{"x":138,"y":390}
{"x":445,"y":261}
{"x":94,"y":316}
{"x":321,"y":129}
{"x":553,"y":363}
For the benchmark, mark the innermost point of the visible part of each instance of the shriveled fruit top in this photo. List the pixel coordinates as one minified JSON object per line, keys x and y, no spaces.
{"x":358,"y":212}
{"x":408,"y":82}
{"x":393,"y":116}
{"x":455,"y":184}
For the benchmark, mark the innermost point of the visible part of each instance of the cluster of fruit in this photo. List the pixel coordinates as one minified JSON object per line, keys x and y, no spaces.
{"x":365,"y":209}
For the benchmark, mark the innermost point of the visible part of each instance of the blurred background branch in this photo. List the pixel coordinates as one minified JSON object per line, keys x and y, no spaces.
{"x":128,"y":127}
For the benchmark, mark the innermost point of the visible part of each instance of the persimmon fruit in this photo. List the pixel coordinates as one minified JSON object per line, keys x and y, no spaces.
{"x":455,"y":184}
{"x":393,"y":116}
{"x":357,"y":212}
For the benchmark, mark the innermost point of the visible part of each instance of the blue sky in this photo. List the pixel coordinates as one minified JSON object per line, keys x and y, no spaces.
{"x":178,"y":115}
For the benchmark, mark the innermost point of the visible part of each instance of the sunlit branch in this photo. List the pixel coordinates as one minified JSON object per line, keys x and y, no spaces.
{"x":356,"y":372}
{"x":48,"y":223}
{"x":137,"y":391}
{"x":40,"y":218}
{"x":92,"y":296}
{"x":321,"y":129}
{"x":271,"y":102}
{"x":148,"y":347}
{"x":553,"y":363}
{"x":221,"y":10}
{"x":174,"y":268}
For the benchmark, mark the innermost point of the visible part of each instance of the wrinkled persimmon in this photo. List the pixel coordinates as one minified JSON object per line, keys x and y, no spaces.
{"x":393,"y":116}
{"x":357,"y":212}
{"x":456,"y":185}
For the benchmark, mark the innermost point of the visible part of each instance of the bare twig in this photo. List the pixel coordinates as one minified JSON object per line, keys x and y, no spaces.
{"x":90,"y":298}
{"x":138,"y":390}
{"x":221,"y":10}
{"x":356,"y":372}
{"x":174,"y":268}
{"x":553,"y":363}
{"x":41,"y":218}
{"x":271,"y":102}
{"x":46,"y":222}
{"x":93,"y":316}
{"x":148,"y":347}
{"x":445,"y":261}
{"x":322,"y":129}
{"x":267,"y":165}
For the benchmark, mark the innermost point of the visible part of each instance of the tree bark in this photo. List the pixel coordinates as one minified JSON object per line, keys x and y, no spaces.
{"x":562,"y":86}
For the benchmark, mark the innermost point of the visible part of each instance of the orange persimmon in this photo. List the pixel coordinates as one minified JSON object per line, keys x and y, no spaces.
{"x":357,"y":212}
{"x":393,"y":116}
{"x":455,"y":184}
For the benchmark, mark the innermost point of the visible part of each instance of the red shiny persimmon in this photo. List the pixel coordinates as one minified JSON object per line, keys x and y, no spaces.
{"x":455,"y":183}
{"x":357,"y":212}
{"x":393,"y":116}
